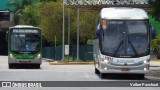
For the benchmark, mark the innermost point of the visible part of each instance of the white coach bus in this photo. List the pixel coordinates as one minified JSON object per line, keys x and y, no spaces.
{"x":122,"y":43}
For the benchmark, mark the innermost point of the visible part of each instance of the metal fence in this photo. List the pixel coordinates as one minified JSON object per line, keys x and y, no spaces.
{"x":85,"y":53}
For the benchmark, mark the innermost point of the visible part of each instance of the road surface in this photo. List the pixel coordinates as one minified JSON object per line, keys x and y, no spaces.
{"x":64,"y":73}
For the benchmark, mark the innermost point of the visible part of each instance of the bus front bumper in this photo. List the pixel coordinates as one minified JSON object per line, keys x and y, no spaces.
{"x":24,"y":61}
{"x":140,"y":69}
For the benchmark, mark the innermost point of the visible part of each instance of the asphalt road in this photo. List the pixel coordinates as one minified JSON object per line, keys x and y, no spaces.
{"x":64,"y":73}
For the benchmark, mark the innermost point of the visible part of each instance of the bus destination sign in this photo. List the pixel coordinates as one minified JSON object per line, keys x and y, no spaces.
{"x":25,"y":31}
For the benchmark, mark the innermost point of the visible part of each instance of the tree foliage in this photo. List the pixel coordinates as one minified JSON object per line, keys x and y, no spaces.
{"x":51,"y":21}
{"x":47,"y":0}
{"x":155,"y":44}
{"x":31,"y":15}
{"x":19,"y":6}
{"x":48,"y":15}
{"x":87,"y":26}
{"x":156,"y":9}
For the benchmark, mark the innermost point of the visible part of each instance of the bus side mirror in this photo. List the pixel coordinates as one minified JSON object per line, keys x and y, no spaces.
{"x":153,"y":31}
{"x":98,"y":31}
{"x":6,"y":36}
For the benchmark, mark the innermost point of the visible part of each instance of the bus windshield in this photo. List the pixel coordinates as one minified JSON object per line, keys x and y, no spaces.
{"x":125,"y":38}
{"x":25,"y":40}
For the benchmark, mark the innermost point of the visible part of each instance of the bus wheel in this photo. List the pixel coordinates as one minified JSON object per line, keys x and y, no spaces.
{"x":37,"y":66}
{"x":96,"y":71}
{"x":141,"y":76}
{"x":102,"y":75}
{"x":10,"y":66}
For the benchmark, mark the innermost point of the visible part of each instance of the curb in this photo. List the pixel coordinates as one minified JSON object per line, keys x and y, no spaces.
{"x":69,"y":63}
{"x":154,"y":66}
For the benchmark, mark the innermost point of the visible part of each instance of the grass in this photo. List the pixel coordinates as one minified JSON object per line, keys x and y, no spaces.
{"x":68,"y":58}
{"x":69,"y":63}
{"x":72,"y":59}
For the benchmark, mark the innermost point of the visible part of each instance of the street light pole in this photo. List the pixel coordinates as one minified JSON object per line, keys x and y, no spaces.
{"x":78,"y":35}
{"x":69,"y":26}
{"x":55,"y":47}
{"x":63,"y":34}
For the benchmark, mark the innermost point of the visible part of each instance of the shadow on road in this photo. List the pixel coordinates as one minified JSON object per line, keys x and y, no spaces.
{"x":27,"y":66}
{"x":123,"y":77}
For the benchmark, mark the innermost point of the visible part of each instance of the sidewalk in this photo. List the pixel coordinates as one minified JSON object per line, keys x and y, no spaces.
{"x":154,"y":68}
{"x":155,"y":63}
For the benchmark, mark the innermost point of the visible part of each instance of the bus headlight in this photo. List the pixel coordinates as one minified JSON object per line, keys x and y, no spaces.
{"x":11,"y":55}
{"x":145,"y":61}
{"x":105,"y":61}
{"x":145,"y":69}
{"x":39,"y":56}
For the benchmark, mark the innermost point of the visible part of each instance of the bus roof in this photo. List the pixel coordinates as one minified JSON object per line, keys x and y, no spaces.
{"x":23,"y":26}
{"x":4,"y":11}
{"x":123,"y":13}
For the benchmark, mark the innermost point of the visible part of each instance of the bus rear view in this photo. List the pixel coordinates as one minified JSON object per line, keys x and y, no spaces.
{"x":24,"y":46}
{"x":122,"y":44}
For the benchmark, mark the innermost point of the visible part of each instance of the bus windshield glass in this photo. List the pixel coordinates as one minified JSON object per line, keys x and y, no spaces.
{"x":125,"y":38}
{"x":25,"y":40}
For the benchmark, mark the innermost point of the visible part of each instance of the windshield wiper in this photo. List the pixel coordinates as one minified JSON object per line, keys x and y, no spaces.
{"x":133,"y":48}
{"x":118,"y":48}
{"x":19,"y":37}
{"x":20,"y":41}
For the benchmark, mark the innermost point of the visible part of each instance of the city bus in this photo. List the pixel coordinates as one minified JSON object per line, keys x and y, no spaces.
{"x":122,"y":43}
{"x":24,"y":45}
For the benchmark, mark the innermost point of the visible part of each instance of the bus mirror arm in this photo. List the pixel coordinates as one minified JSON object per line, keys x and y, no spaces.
{"x":98,"y":31}
{"x":153,"y":31}
{"x":6,"y":36}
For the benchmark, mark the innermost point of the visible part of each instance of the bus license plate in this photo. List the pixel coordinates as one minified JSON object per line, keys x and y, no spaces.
{"x":25,"y":61}
{"x":125,"y":69}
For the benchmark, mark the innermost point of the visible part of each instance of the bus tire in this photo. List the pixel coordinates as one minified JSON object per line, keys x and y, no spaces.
{"x":141,"y":76}
{"x":10,"y":66}
{"x":96,"y":71}
{"x":38,"y":66}
{"x":102,"y":75}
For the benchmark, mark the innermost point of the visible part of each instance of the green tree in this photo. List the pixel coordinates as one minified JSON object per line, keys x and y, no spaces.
{"x":31,"y":15}
{"x":155,"y":43}
{"x":48,"y":16}
{"x":51,"y":20}
{"x":155,"y":12}
{"x":87,"y":26}
{"x":47,"y":0}
{"x":19,"y":6}
{"x":156,"y":9}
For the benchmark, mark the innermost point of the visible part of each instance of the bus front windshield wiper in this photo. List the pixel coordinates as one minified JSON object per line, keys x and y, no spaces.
{"x":19,"y":37}
{"x":133,"y":47}
{"x":118,"y":48}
